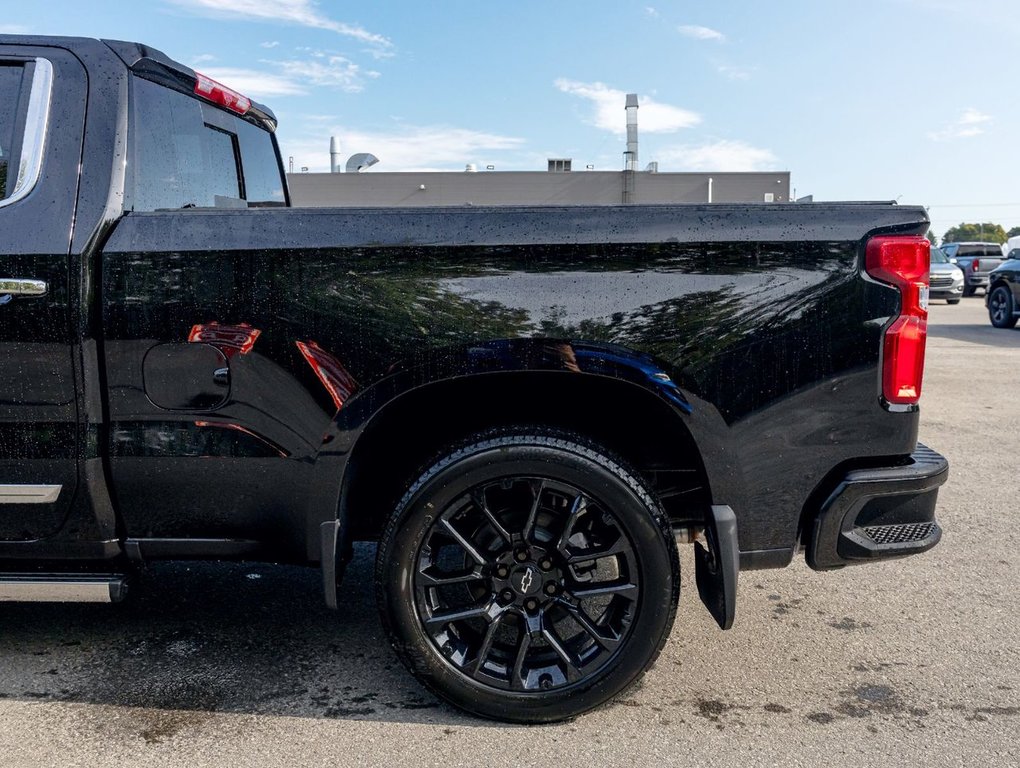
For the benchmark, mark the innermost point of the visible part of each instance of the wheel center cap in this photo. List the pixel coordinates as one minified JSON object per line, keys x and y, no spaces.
{"x":526,"y":580}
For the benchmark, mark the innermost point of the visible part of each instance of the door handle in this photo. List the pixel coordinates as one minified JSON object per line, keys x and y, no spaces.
{"x":22,"y":286}
{"x":222,"y":376}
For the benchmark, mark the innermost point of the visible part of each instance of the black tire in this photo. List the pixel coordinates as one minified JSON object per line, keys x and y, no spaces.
{"x":1000,"y":308}
{"x":569,"y":577}
{"x":968,"y":290}
{"x":952,"y":301}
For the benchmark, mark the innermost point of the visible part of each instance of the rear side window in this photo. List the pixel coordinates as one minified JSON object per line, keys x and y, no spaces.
{"x":184,"y":153}
{"x":11,"y":82}
{"x":263,"y":183}
{"x":980,"y":250}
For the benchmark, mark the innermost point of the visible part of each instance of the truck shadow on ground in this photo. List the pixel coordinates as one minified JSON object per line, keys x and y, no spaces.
{"x":216,"y":637}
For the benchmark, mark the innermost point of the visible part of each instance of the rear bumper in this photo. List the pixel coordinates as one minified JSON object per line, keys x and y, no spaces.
{"x":876,"y":514}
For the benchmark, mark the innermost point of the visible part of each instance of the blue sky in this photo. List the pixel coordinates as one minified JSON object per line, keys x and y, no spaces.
{"x":870,"y":99}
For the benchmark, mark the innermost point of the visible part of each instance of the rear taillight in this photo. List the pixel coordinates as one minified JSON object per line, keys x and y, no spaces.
{"x":974,"y":265}
{"x":903,"y":262}
{"x":219,"y":94}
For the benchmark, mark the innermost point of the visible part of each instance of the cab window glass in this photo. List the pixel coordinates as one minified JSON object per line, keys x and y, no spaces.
{"x":11,"y":78}
{"x":263,"y":179}
{"x":175,"y":160}
{"x":185,"y":153}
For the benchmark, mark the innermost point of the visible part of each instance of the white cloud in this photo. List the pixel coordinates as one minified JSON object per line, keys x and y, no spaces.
{"x":653,"y":117}
{"x":409,"y":148}
{"x":701,"y":33}
{"x":270,"y":44}
{"x":733,"y":72}
{"x":293,"y":77}
{"x":256,"y":84}
{"x":970,"y":123}
{"x":325,"y":70}
{"x":202,"y":58}
{"x":304,"y":13}
{"x":653,"y":12}
{"x":722,"y":156}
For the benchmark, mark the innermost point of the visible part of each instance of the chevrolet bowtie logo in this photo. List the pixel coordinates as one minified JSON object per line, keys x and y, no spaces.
{"x":526,"y":580}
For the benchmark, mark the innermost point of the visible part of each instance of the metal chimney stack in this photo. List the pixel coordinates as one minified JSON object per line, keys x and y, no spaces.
{"x":630,"y":157}
{"x":335,"y":163}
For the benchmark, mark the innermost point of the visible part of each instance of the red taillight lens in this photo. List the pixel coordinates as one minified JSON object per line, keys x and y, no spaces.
{"x":218,"y":93}
{"x":903,"y":262}
{"x":975,"y":265}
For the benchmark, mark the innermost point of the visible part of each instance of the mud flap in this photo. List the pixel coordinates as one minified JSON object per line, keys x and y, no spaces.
{"x":332,"y":568}
{"x":717,"y":566}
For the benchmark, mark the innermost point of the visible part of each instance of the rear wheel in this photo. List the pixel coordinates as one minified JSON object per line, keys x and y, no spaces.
{"x":952,"y":301}
{"x":968,"y":290}
{"x":528,"y":577}
{"x":1000,"y":308}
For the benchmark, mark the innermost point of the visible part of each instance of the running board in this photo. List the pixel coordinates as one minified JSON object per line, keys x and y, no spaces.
{"x":62,"y":588}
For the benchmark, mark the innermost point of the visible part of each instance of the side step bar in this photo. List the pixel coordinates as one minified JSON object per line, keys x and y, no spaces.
{"x":62,"y":588}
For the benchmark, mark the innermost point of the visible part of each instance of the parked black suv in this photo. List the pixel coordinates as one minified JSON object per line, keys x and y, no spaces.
{"x":1003,"y":298}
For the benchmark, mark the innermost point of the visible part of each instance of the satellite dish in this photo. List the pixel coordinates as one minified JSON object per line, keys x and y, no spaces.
{"x":359,"y":162}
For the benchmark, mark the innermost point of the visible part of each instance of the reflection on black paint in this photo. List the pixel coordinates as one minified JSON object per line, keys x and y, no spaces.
{"x":229,"y":339}
{"x":190,"y":439}
{"x":331,"y":372}
{"x":37,"y":441}
{"x":726,"y":323}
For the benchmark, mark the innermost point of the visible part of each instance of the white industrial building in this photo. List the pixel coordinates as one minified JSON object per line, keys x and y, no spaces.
{"x":559,"y":185}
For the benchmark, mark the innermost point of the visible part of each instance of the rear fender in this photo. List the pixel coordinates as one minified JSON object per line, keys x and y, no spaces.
{"x":500,"y":360}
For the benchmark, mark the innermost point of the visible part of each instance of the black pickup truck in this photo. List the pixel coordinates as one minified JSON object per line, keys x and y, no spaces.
{"x":527,"y":408}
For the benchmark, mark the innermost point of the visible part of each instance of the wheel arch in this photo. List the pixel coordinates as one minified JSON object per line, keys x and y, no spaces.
{"x":410,"y":430}
{"x":1000,"y":282}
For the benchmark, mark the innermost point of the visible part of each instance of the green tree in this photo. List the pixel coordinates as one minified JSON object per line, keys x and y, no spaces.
{"x":932,"y":237}
{"x":984,"y":233}
{"x":1013,"y":232}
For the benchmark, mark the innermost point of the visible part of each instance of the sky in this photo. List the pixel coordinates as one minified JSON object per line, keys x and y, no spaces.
{"x":857,"y":99}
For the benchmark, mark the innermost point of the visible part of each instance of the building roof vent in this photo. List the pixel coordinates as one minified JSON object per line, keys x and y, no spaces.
{"x":359,"y":162}
{"x":559,"y":165}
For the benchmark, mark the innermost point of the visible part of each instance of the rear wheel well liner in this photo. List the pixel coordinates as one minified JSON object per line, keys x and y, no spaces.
{"x":408,"y":432}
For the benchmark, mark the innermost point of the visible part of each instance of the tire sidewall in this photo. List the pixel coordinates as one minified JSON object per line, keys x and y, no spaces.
{"x":1007,"y":321}
{"x":639,"y":518}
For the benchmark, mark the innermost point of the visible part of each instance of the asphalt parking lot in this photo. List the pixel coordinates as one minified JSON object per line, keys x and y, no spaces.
{"x":905,"y":662}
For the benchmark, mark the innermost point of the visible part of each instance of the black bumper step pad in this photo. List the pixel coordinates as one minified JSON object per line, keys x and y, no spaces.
{"x":900,"y":534}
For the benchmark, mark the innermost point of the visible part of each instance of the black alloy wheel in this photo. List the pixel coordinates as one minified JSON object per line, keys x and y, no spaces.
{"x":1000,"y":308}
{"x":528,"y":577}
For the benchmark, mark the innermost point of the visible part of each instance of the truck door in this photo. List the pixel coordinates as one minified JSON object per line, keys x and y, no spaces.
{"x":42,"y":109}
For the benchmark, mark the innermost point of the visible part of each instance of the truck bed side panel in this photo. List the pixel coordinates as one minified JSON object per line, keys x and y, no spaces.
{"x":759,"y":313}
